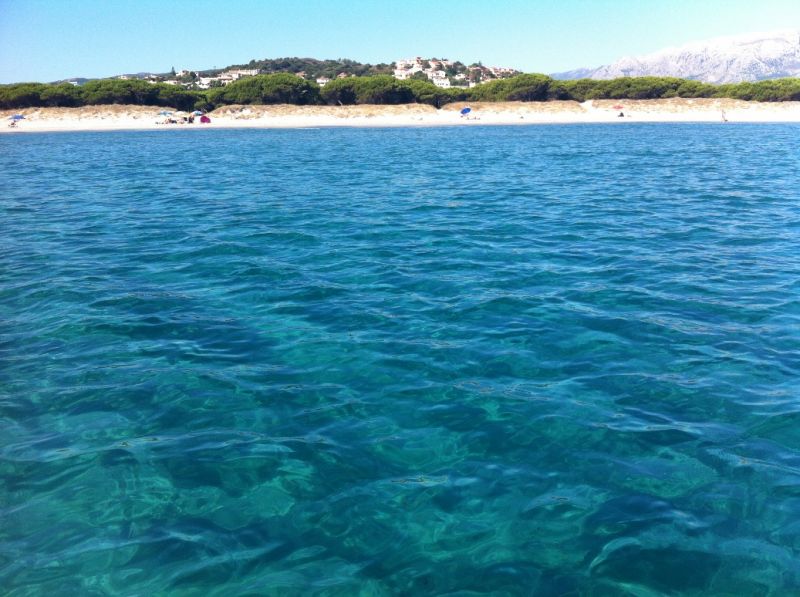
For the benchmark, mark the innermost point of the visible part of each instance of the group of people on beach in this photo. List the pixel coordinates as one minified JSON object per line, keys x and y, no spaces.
{"x":184,"y":120}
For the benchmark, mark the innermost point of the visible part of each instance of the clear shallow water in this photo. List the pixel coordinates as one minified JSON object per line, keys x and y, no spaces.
{"x":539,"y":360}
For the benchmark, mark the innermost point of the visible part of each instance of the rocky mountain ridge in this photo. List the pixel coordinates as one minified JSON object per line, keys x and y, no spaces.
{"x":753,"y":57}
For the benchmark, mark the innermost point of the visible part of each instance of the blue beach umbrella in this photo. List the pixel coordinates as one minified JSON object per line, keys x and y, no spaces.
{"x":198,"y":113}
{"x":465,"y":111}
{"x":17,"y":117}
{"x":165,"y":113}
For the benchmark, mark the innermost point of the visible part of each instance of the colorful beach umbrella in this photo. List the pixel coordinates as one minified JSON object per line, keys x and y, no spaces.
{"x":617,"y":107}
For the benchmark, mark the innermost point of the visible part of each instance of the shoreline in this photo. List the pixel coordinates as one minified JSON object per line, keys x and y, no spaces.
{"x":144,"y":118}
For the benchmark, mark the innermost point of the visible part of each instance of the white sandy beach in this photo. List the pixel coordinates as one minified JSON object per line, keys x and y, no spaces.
{"x":120,"y":117}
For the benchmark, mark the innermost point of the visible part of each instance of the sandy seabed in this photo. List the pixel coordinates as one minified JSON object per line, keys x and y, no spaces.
{"x":122,"y":117}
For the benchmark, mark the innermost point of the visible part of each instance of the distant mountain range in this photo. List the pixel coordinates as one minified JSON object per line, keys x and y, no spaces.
{"x":753,"y":57}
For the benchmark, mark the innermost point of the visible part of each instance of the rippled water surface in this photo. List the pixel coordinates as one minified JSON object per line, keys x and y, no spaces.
{"x":551,"y":360}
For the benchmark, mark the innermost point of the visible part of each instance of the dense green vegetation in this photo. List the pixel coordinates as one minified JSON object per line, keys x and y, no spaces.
{"x":264,"y":89}
{"x":313,"y":68}
{"x":775,"y":90}
{"x":284,"y":88}
{"x":101,"y":91}
{"x":382,"y":89}
{"x":522,"y":88}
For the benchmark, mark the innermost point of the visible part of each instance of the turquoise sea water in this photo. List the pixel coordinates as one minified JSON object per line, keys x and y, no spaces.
{"x":555,"y":360}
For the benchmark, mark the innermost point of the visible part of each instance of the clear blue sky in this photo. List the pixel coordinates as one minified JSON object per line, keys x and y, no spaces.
{"x":45,"y":40}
